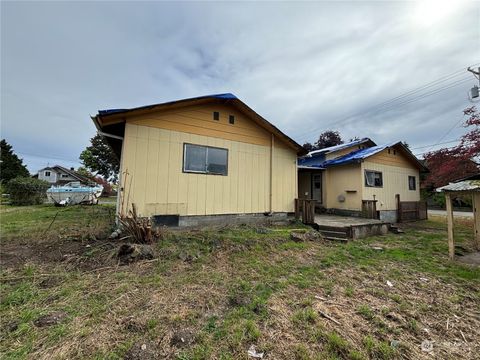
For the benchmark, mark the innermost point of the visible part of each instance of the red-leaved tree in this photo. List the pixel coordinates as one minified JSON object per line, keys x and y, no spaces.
{"x":449,"y":164}
{"x":107,"y":187}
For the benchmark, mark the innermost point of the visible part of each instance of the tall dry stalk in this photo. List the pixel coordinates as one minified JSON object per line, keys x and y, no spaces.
{"x":138,"y":229}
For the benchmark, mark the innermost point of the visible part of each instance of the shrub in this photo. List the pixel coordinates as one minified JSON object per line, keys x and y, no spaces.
{"x":27,"y":191}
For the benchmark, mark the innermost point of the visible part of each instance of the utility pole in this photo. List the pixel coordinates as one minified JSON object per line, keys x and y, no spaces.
{"x":474,"y":93}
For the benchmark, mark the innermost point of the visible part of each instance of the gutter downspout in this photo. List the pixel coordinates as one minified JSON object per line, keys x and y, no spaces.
{"x":272,"y":147}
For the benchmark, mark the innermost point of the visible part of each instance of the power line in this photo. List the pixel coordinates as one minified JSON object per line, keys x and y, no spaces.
{"x":389,"y":107}
{"x":440,"y":143}
{"x":448,"y":132}
{"x":426,"y":86}
{"x":434,"y":91}
{"x":403,"y":96}
{"x":425,"y":152}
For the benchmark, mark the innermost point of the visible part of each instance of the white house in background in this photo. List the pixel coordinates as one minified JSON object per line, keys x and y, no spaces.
{"x":60,"y":175}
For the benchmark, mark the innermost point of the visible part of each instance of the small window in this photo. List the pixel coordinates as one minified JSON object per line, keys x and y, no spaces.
{"x":216,"y":115}
{"x":412,"y":183}
{"x":231,"y":119}
{"x":373,"y":178}
{"x":205,"y":159}
{"x":394,"y":152}
{"x":64,"y":176}
{"x":47,"y":173}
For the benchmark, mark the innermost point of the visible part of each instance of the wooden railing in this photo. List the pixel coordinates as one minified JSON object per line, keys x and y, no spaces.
{"x":306,"y":209}
{"x":369,"y":209}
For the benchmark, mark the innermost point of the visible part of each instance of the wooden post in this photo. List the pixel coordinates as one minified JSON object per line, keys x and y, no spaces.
{"x":476,"y":218}
{"x":399,"y":210}
{"x":451,"y":245}
{"x":297,"y":209}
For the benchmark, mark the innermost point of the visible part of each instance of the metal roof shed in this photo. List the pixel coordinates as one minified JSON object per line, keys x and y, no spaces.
{"x":471,"y":186}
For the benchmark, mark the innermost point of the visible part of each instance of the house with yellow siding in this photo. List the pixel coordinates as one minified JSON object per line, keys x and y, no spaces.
{"x":201,"y":160}
{"x":346,"y":178}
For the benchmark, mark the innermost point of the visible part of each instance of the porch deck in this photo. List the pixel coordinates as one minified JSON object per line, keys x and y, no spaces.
{"x":344,"y":228}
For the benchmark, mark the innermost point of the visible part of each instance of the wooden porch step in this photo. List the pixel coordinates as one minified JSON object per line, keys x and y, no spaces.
{"x":331,"y":228}
{"x":335,"y":234}
{"x":395,"y":229}
{"x":331,"y":238}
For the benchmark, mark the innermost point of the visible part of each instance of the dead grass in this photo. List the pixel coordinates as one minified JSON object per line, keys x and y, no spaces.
{"x":222,"y":290}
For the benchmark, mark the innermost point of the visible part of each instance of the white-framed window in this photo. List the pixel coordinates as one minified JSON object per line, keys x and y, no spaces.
{"x":205,"y":159}
{"x":412,"y":183}
{"x":47,"y":173}
{"x":64,"y":176}
{"x":373,"y":178}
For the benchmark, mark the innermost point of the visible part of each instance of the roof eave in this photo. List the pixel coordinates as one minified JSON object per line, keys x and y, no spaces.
{"x":120,"y":115}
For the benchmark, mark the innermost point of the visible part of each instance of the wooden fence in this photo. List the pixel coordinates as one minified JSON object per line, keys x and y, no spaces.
{"x":306,"y":209}
{"x":411,"y":210}
{"x":369,"y":209}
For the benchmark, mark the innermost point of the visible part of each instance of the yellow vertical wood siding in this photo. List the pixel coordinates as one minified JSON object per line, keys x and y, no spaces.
{"x":343,"y":181}
{"x":199,"y":120}
{"x":284,"y":179}
{"x":153,"y":158}
{"x":392,"y":157}
{"x":305,"y":185}
{"x":395,"y":181}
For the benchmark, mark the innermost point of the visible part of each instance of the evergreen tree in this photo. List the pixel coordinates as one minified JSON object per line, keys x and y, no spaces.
{"x":11,"y":166}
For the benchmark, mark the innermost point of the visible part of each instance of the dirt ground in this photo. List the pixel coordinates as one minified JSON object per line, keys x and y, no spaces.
{"x":213,"y":293}
{"x":470,"y":259}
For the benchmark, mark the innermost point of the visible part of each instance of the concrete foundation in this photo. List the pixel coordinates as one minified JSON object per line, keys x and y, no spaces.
{"x":362,"y":231}
{"x":232,"y":219}
{"x":349,"y":228}
{"x":388,"y":216}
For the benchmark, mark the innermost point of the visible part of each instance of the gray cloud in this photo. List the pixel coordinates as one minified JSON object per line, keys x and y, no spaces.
{"x":304,"y":66}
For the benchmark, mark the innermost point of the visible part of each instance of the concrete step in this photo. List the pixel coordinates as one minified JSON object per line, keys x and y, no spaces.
{"x":331,"y":233}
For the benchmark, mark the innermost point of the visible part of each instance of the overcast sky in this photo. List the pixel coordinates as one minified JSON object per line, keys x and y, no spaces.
{"x":306,"y":67}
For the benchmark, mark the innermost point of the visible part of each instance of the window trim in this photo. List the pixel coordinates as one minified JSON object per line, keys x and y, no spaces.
{"x":231,"y":119}
{"x":216,"y":115}
{"x":375,"y":172}
{"x":49,"y":174}
{"x":414,"y":183}
{"x":202,"y":172}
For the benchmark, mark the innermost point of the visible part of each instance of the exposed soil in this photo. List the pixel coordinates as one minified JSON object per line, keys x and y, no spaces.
{"x":470,"y":259}
{"x":50,"y":319}
{"x":85,"y":255}
{"x":206,"y":293}
{"x":143,"y":350}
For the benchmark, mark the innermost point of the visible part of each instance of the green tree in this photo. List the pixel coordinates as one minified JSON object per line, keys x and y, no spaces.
{"x":11,"y":166}
{"x":100,"y":159}
{"x":328,"y":138}
{"x":84,"y":172}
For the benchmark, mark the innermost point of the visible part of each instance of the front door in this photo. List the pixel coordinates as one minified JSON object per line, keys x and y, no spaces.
{"x":317,"y":187}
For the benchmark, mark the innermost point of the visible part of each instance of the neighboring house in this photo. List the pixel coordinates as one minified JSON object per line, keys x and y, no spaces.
{"x":342,"y":178}
{"x":183,"y":162}
{"x":60,"y":175}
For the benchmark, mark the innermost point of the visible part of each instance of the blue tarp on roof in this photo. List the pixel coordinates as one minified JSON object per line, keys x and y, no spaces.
{"x":313,"y":161}
{"x":340,"y":147}
{"x":225,"y":96}
{"x":318,"y":161}
{"x":357,"y":155}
